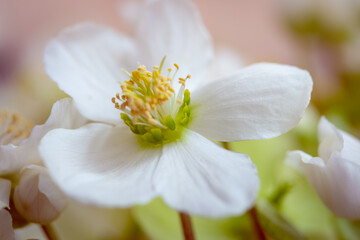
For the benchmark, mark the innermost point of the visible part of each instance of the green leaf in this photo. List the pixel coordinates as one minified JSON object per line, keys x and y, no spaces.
{"x":279,"y":194}
{"x":274,"y":224}
{"x":160,"y":222}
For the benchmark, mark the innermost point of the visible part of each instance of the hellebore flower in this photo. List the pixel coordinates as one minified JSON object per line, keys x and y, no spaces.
{"x":6,"y":230}
{"x":163,"y":149}
{"x":335,"y":174}
{"x":36,"y":197}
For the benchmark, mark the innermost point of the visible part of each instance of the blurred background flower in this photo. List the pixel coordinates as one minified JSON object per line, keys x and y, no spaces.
{"x":321,"y":36}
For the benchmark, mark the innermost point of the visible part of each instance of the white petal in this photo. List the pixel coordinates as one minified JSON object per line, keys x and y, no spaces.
{"x":261,"y":101}
{"x":49,"y":189}
{"x":100,"y":164}
{"x":86,"y":61}
{"x":337,"y":184}
{"x":336,"y":178}
{"x":333,"y":139}
{"x":5,"y":187}
{"x":225,"y":62}
{"x":199,"y":177}
{"x":339,"y":188}
{"x":63,"y":115}
{"x":297,"y":159}
{"x":36,"y":197}
{"x":131,"y":11}
{"x":174,"y":29}
{"x":6,"y":229}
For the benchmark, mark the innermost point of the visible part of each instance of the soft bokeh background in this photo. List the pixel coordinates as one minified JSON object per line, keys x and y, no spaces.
{"x":321,"y":36}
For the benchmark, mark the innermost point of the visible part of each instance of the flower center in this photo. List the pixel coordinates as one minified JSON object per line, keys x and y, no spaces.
{"x":151,"y":107}
{"x":13,"y":128}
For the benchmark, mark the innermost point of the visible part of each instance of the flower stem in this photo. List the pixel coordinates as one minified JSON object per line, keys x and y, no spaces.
{"x":226,"y":145}
{"x":49,"y":232}
{"x":186,"y":226}
{"x":256,"y":224}
{"x":260,"y":233}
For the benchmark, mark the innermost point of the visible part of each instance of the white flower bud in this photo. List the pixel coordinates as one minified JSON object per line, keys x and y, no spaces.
{"x":5,"y":188}
{"x":335,"y":174}
{"x":6,"y":229}
{"x":37,"y":198}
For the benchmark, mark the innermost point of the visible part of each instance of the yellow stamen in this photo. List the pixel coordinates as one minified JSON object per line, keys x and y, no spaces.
{"x":13,"y":128}
{"x":145,"y":93}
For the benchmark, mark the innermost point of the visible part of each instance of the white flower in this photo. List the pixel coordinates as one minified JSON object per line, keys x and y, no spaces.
{"x":335,"y":174}
{"x":19,"y":140}
{"x":36,"y":196}
{"x":169,"y":155}
{"x":6,"y":230}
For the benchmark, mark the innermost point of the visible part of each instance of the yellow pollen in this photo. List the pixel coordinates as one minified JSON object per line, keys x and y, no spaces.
{"x":13,"y":128}
{"x":144,"y":95}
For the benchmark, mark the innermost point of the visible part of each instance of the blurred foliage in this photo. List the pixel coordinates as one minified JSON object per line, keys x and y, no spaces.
{"x":162,"y":223}
{"x":274,"y":224}
{"x":311,"y":25}
{"x":80,"y":221}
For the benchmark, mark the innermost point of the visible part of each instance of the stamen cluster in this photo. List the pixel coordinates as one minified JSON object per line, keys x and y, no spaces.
{"x":13,"y":128}
{"x":149,"y":102}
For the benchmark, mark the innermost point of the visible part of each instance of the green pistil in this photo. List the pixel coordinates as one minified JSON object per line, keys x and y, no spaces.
{"x":183,"y":115}
{"x":157,"y":136}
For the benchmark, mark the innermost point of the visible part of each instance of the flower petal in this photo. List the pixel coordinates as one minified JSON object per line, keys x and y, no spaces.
{"x":333,"y":139}
{"x":100,"y":164}
{"x":86,"y":61}
{"x":226,"y":60}
{"x":36,"y":197}
{"x":63,"y":115}
{"x":199,"y":177}
{"x":5,"y":188}
{"x":336,"y":183}
{"x":261,"y":101}
{"x":339,"y":187}
{"x":6,"y":228}
{"x":174,"y":29}
{"x":297,"y":159}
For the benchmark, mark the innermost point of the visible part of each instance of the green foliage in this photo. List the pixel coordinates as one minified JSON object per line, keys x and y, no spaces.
{"x":274,"y":224}
{"x":162,"y":223}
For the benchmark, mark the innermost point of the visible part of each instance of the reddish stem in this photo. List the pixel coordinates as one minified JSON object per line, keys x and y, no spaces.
{"x":186,"y":226}
{"x":256,"y":224}
{"x":49,"y":232}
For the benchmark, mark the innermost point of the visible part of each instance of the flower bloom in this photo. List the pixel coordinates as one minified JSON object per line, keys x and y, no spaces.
{"x":155,"y":123}
{"x":335,"y":174}
{"x":36,"y":198}
{"x":6,"y":231}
